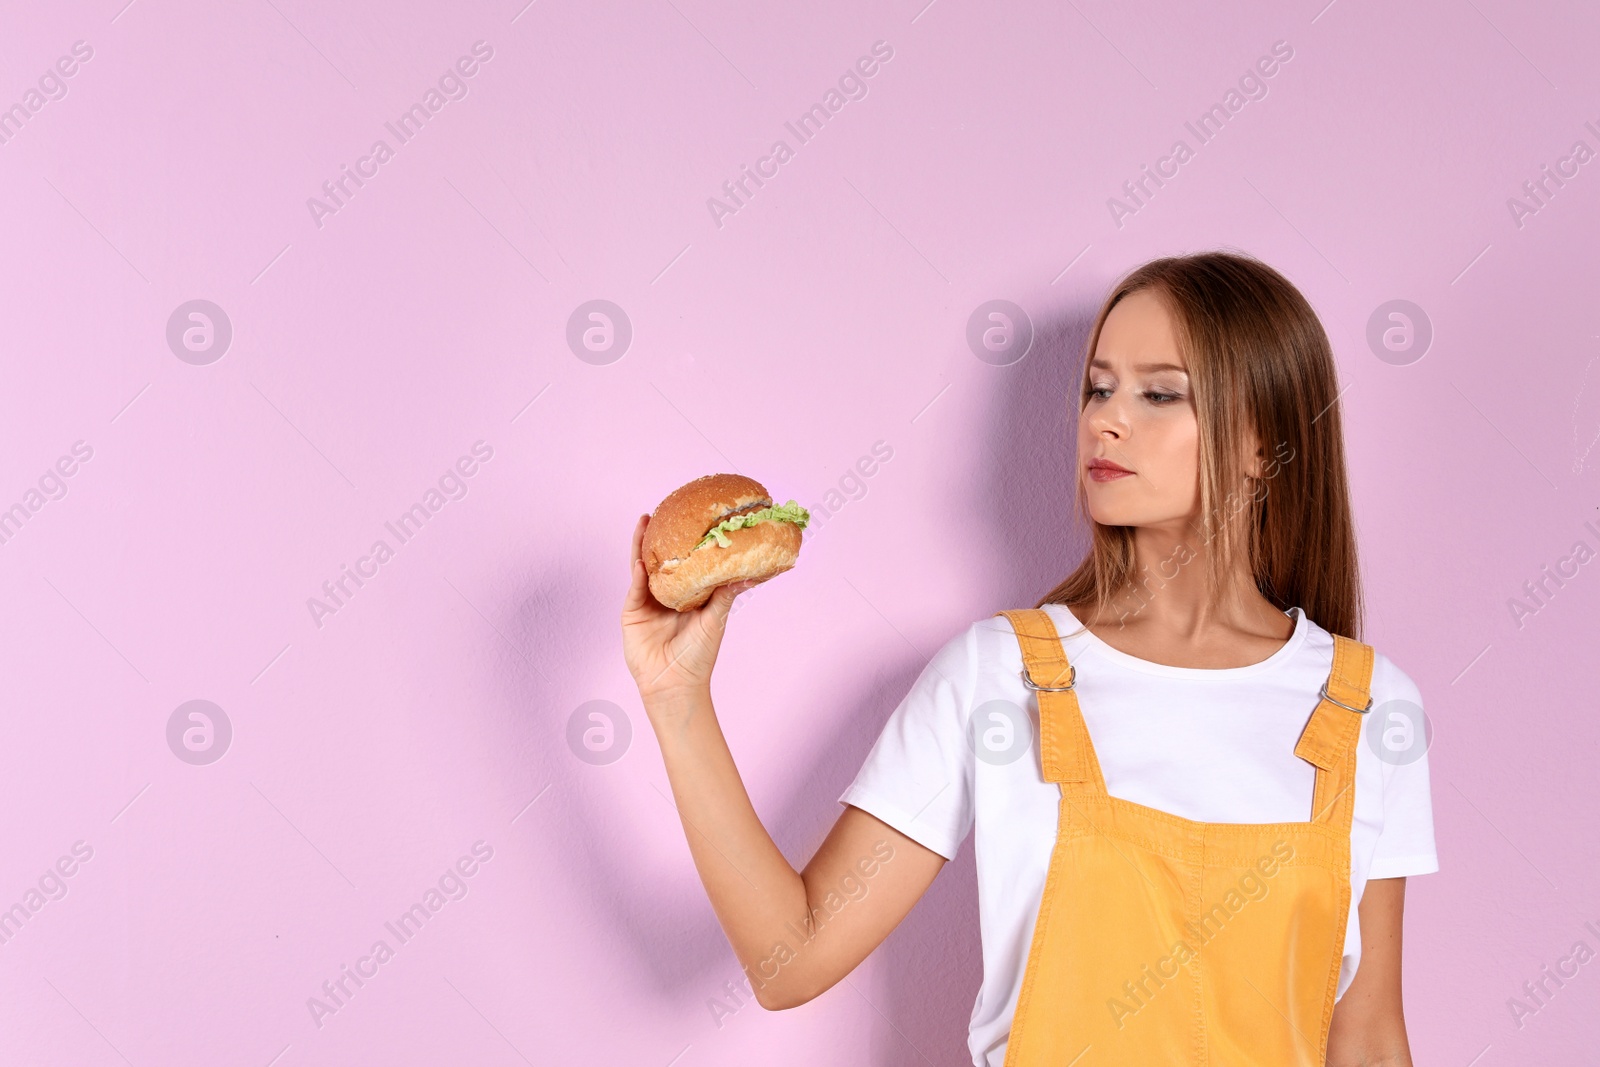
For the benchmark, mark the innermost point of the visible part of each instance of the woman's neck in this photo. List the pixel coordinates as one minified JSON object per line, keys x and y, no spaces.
{"x":1168,"y":614}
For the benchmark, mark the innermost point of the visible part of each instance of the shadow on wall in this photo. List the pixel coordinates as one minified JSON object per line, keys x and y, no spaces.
{"x":930,"y":967}
{"x":664,"y":933}
{"x":1021,"y":472}
{"x":1026,"y":474}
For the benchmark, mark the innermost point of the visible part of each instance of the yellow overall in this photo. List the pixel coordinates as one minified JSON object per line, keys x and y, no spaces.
{"x":1164,"y":941}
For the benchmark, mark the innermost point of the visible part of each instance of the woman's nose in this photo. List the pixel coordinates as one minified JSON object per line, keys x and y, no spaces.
{"x":1107,"y":420}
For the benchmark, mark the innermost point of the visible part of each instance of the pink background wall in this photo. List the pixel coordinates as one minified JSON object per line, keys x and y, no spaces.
{"x":374,"y":345}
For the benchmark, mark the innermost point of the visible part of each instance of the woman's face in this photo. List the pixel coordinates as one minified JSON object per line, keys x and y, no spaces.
{"x":1139,"y":417}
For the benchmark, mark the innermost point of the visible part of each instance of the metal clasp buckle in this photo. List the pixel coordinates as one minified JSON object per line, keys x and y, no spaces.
{"x":1027,"y":681}
{"x":1342,"y":704}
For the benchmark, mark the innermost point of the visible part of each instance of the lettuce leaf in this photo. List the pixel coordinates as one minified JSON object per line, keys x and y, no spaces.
{"x":789,"y":512}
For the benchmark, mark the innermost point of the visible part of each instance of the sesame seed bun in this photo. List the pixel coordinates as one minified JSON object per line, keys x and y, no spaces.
{"x":682,"y":577}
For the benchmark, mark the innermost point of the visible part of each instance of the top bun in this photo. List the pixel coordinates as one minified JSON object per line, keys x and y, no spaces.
{"x":682,"y":519}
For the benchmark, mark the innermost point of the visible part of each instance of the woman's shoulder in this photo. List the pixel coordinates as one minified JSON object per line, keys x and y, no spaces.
{"x":983,"y":641}
{"x":997,"y":629}
{"x":990,"y":644}
{"x":1389,"y":681}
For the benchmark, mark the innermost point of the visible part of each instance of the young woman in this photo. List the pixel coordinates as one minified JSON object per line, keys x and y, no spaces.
{"x":1193,"y":819}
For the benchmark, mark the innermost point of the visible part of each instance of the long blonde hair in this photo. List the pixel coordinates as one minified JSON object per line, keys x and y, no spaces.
{"x":1258,"y":360}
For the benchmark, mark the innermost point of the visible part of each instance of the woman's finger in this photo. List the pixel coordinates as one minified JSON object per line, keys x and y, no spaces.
{"x":631,"y":602}
{"x":638,"y":581}
{"x":638,"y":534}
{"x":721,"y":602}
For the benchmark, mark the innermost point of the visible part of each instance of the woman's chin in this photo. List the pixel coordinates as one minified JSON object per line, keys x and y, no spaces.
{"x":1106,"y":513}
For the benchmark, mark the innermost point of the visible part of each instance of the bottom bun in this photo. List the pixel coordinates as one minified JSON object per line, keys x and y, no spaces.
{"x":757,"y":553}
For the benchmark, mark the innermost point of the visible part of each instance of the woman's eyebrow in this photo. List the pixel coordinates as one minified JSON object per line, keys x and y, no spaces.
{"x":1146,"y":368}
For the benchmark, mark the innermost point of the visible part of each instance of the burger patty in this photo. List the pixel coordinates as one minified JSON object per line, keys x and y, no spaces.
{"x":669,"y":564}
{"x":731,"y":512}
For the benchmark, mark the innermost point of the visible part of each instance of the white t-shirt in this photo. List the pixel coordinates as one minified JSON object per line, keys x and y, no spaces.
{"x":1208,"y":745}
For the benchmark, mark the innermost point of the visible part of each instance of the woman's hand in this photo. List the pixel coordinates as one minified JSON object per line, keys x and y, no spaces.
{"x":668,"y":651}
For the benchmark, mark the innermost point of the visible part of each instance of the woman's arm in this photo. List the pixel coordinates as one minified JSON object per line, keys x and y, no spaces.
{"x":1369,"y":1029}
{"x":795,"y":934}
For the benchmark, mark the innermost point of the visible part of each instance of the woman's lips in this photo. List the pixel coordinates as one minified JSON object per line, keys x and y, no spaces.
{"x":1102,"y":470}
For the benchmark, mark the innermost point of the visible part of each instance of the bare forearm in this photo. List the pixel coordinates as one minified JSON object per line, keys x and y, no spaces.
{"x":1369,"y":1026}
{"x":753,"y":889}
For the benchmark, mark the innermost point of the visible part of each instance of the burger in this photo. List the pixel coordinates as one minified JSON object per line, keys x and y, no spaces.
{"x":718,"y":529}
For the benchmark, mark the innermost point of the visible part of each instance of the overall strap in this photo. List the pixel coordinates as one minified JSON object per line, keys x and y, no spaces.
{"x":1065,"y":752}
{"x":1329,"y":739}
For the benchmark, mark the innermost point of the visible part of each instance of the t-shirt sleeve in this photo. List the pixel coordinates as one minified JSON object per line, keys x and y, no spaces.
{"x":1405,"y":844}
{"x":918,"y":775}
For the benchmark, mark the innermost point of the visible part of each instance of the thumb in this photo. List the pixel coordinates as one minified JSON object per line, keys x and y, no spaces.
{"x":721,"y":602}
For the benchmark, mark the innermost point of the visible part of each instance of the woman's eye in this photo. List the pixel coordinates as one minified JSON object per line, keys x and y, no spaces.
{"x":1162,"y":398}
{"x":1099,"y":392}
